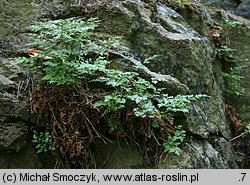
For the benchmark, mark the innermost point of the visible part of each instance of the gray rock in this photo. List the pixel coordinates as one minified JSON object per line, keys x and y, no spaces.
{"x":225,"y":4}
{"x":15,"y":16}
{"x":201,"y":154}
{"x":14,"y":117}
{"x":117,"y":155}
{"x":240,"y":42}
{"x":239,"y":7}
{"x":243,"y":9}
{"x":5,"y":82}
{"x":12,"y":135}
{"x":12,"y":95}
{"x":12,"y":71}
{"x":24,"y":159}
{"x":186,"y":55}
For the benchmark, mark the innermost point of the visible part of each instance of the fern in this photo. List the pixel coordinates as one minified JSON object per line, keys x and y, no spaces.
{"x":77,"y":54}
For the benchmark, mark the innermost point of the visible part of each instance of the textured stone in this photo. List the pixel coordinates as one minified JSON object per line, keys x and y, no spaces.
{"x":14,"y":17}
{"x":240,"y":41}
{"x":225,"y":4}
{"x":243,"y":9}
{"x":12,"y":136}
{"x":24,"y":159}
{"x":201,"y":154}
{"x":239,"y":7}
{"x":117,"y":155}
{"x":14,"y":117}
{"x":188,"y":56}
{"x":13,"y":99}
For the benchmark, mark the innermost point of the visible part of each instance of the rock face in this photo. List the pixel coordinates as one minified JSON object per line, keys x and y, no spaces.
{"x":15,"y":145}
{"x":15,"y":16}
{"x":116,"y":156}
{"x":15,"y":150}
{"x":25,"y":159}
{"x":225,"y":4}
{"x":240,"y":41}
{"x":187,"y":55}
{"x":240,"y":7}
{"x":184,"y":50}
{"x":243,"y":9}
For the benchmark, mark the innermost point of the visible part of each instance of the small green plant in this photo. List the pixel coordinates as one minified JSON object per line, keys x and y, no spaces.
{"x":171,"y":145}
{"x":246,"y":132}
{"x":233,"y":80}
{"x":130,"y":89}
{"x":226,"y":53}
{"x":227,"y":26}
{"x":43,"y":141}
{"x":232,"y":75}
{"x":233,"y":83}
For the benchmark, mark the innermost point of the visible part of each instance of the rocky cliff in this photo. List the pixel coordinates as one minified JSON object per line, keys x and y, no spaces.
{"x":239,"y":7}
{"x":179,"y":34}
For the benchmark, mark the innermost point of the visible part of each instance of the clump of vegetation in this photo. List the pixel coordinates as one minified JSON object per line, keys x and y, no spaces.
{"x":226,"y":53}
{"x":231,"y":68}
{"x":233,"y":79}
{"x":232,"y":75}
{"x":80,"y":92}
{"x":43,"y":142}
{"x":245,"y":133}
{"x":171,"y":145}
{"x":227,"y":25}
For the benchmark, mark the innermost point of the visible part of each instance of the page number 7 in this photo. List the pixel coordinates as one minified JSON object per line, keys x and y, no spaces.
{"x":243,"y":176}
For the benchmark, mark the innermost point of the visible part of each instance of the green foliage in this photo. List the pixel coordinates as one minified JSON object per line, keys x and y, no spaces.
{"x":246,"y":132}
{"x":43,"y":142}
{"x":148,"y":101}
{"x":171,"y":145}
{"x":69,"y":44}
{"x":179,"y":103}
{"x":77,"y":54}
{"x":227,"y":25}
{"x":232,"y":76}
{"x":225,"y":53}
{"x":233,"y":82}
